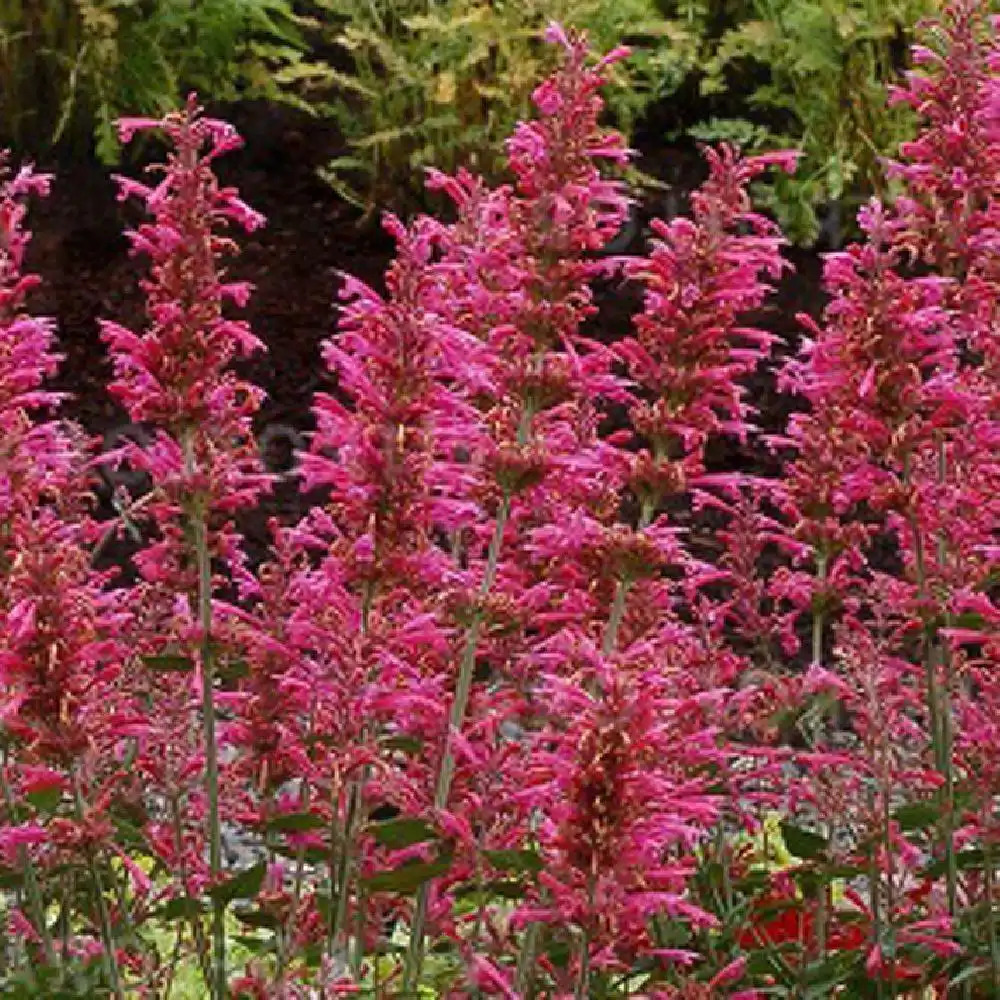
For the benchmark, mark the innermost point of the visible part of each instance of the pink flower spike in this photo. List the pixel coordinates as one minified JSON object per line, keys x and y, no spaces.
{"x":127,"y":127}
{"x":556,"y":34}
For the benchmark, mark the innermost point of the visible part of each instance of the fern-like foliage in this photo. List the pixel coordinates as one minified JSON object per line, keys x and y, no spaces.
{"x":822,"y":68}
{"x":441,"y":82}
{"x":68,"y":68}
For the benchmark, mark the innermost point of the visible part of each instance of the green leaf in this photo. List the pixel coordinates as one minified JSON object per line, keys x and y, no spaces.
{"x":516,"y":860}
{"x":559,"y":952}
{"x":251,"y":943}
{"x":821,"y":977}
{"x":846,"y":871}
{"x":495,"y":889}
{"x":408,"y":877}
{"x":804,"y":844}
{"x":45,"y":800}
{"x":127,"y":833}
{"x":180,"y":908}
{"x":971,"y":972}
{"x":964,"y":860}
{"x":295,"y":822}
{"x":753,"y":881}
{"x":970,"y":619}
{"x":406,"y":744}
{"x":310,"y":855}
{"x":232,"y":670}
{"x":256,"y":918}
{"x":313,"y":954}
{"x":169,"y":663}
{"x":765,"y":961}
{"x":917,"y":815}
{"x":10,"y":878}
{"x":403,"y":832}
{"x":244,"y":885}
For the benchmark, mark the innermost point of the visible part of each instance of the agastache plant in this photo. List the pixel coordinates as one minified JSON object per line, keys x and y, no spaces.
{"x":685,"y":364}
{"x":536,"y":700}
{"x":201,"y":460}
{"x":885,"y":456}
{"x":949,"y":174}
{"x":63,"y":717}
{"x":692,"y":348}
{"x":388,"y":462}
{"x":520,"y":254}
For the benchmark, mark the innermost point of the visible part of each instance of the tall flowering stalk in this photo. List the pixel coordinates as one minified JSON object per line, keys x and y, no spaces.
{"x":522,"y":286}
{"x":63,"y":717}
{"x":895,"y":445}
{"x":685,"y":364}
{"x":27,"y":358}
{"x":387,"y":460}
{"x":38,"y":457}
{"x":949,"y":220}
{"x":865,"y":372}
{"x":691,"y":351}
{"x":616,"y":779}
{"x":175,"y":377}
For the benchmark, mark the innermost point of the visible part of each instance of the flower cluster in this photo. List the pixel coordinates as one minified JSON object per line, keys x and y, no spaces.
{"x":535,"y":700}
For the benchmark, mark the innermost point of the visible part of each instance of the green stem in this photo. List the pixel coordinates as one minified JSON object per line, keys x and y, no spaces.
{"x":211,"y":764}
{"x":529,"y":947}
{"x":475,"y":938}
{"x":948,"y":818}
{"x":873,"y":877}
{"x":722,"y":854}
{"x":355,"y":804}
{"x":103,"y":914}
{"x":358,"y":952}
{"x":890,"y":886}
{"x":288,"y":928}
{"x":617,"y":612}
{"x":35,"y":901}
{"x":199,"y":533}
{"x":583,"y":977}
{"x":281,"y":931}
{"x":947,"y":722}
{"x":616,"y":615}
{"x":467,"y":667}
{"x":446,"y":770}
{"x":174,"y":960}
{"x":346,"y":861}
{"x":197,"y":934}
{"x":582,"y":990}
{"x":818,"y":627}
{"x":989,"y":876}
{"x":938,"y":706}
{"x":822,"y":917}
{"x":819,"y":618}
{"x":69,"y":888}
{"x":873,"y":896}
{"x":526,"y":963}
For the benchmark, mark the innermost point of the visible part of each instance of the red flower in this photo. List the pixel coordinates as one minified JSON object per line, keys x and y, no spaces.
{"x":778,"y":919}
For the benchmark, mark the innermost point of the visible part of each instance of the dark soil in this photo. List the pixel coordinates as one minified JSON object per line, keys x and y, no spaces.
{"x":311,"y":235}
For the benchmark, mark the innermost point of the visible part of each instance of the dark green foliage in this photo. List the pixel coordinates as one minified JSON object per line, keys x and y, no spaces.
{"x":69,"y":68}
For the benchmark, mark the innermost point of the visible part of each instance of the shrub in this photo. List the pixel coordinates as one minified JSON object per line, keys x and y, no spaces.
{"x":521,"y":707}
{"x":442,"y":84}
{"x":70,"y":68}
{"x":823,"y":70}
